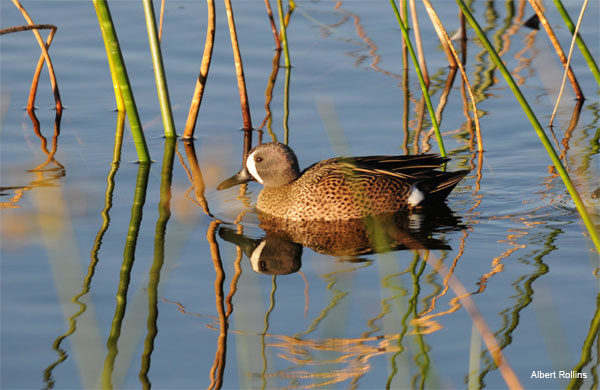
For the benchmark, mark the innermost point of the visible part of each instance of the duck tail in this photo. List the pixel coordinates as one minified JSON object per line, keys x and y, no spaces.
{"x":439,"y":187}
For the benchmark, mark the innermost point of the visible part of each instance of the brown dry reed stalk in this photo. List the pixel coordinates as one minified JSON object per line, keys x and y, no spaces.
{"x":417,"y":31}
{"x":239,"y":67}
{"x":160,"y":23}
{"x":568,"y":66}
{"x":559,"y":51}
{"x":190,"y":124}
{"x":38,"y":37}
{"x":447,"y":42}
{"x":273,"y":26}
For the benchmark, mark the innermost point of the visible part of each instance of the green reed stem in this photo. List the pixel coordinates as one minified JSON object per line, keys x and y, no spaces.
{"x":159,"y":70}
{"x":434,"y":121}
{"x":284,"y":41}
{"x":580,"y":43}
{"x":589,"y":224}
{"x":109,"y":35}
{"x":113,"y":74}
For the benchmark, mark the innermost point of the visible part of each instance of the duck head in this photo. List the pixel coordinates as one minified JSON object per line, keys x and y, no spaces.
{"x":272,"y":164}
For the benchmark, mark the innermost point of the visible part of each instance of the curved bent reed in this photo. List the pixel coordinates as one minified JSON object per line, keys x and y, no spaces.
{"x":559,"y":51}
{"x":434,"y":121}
{"x":159,"y":70}
{"x":43,"y":46}
{"x":190,"y":124}
{"x":587,"y":220}
{"x":109,"y":35}
{"x":565,"y":73}
{"x":582,"y":46}
{"x":40,"y":64}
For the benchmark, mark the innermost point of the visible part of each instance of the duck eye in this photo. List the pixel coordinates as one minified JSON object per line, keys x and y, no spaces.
{"x":258,"y":159}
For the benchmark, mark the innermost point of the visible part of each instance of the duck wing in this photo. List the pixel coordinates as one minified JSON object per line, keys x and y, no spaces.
{"x":420,"y":170}
{"x":408,"y":168}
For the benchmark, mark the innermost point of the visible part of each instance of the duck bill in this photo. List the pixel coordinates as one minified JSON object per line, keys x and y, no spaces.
{"x":241,"y":177}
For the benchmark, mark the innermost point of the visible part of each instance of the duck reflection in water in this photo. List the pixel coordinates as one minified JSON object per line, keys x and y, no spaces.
{"x":279,"y":252}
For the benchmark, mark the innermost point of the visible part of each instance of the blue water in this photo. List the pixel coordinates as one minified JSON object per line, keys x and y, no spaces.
{"x":524,"y":253}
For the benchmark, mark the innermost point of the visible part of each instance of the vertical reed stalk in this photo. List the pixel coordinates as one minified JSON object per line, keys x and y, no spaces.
{"x":239,"y":67}
{"x":109,"y":35}
{"x":434,"y":122}
{"x":190,"y":124}
{"x":40,"y":41}
{"x":282,"y":28}
{"x":286,"y":105}
{"x":582,"y":46}
{"x":113,"y":74}
{"x":444,"y":37}
{"x":536,"y":125}
{"x":415,"y":20}
{"x":159,"y":70}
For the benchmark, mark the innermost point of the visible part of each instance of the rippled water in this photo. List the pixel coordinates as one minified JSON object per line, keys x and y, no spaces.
{"x":196,"y":313}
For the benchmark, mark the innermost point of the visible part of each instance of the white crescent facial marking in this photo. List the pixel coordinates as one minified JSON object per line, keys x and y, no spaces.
{"x":416,"y":196}
{"x":251,"y":166}
{"x":255,"y":258}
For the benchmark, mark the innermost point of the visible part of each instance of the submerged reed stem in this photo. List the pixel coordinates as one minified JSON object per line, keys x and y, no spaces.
{"x":535,"y":123}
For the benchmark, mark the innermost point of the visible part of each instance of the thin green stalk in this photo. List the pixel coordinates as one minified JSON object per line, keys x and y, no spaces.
{"x":159,"y":70}
{"x":582,"y":46}
{"x":113,"y":74}
{"x":282,"y":28}
{"x":434,"y":121}
{"x":109,"y":35}
{"x":589,"y":224}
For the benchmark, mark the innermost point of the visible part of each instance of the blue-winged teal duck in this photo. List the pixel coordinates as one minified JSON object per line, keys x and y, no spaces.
{"x":343,"y":188}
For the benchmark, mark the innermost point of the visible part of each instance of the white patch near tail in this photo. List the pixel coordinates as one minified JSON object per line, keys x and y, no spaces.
{"x":251,"y":166}
{"x":416,"y":196}
{"x":255,"y":258}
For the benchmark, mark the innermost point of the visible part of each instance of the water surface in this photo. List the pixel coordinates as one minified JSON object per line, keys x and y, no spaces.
{"x":194,"y":319}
